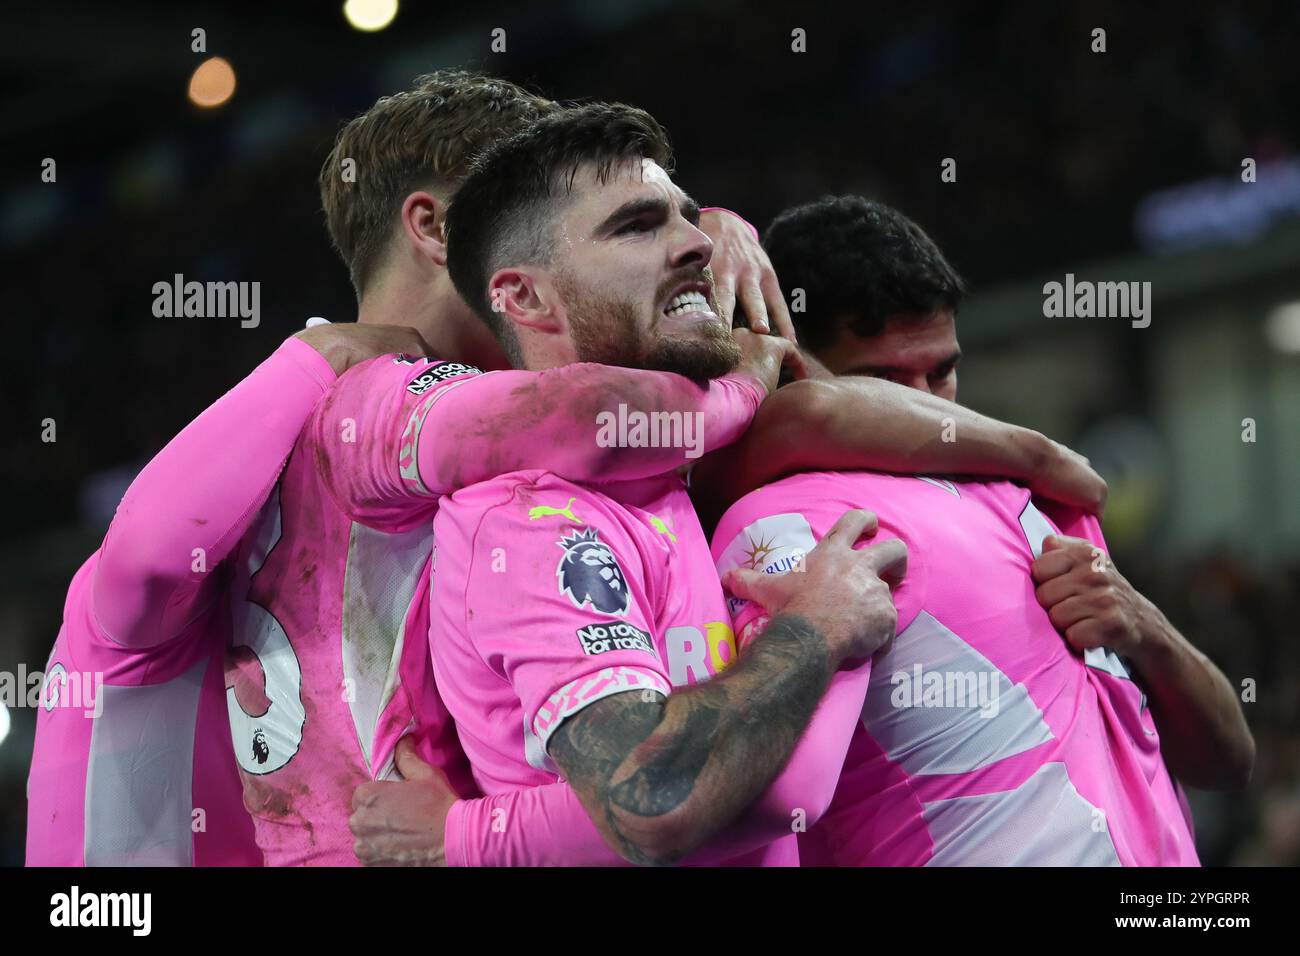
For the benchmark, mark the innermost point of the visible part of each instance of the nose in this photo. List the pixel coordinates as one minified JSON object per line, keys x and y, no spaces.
{"x":690,"y":247}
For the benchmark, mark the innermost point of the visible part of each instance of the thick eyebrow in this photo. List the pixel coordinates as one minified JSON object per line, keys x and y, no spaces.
{"x":647,"y":205}
{"x":952,"y":360}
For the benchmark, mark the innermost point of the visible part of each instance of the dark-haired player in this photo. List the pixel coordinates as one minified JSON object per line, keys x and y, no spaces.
{"x":561,"y":267}
{"x":556,"y":638}
{"x":218,"y":540}
{"x":884,"y":301}
{"x":881,"y":297}
{"x":983,"y":738}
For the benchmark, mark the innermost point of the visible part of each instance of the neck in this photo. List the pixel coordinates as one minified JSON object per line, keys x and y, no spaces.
{"x":431,"y":306}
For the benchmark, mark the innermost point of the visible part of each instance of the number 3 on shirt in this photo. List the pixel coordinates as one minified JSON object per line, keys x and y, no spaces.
{"x":265,"y":742}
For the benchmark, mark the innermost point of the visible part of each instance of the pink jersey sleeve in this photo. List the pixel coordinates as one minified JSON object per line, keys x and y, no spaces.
{"x":536,"y":826}
{"x":406,"y":433}
{"x":548,"y":826}
{"x":190,"y":506}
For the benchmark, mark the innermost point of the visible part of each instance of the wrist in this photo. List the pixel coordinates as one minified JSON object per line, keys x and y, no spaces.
{"x":754,"y":375}
{"x":1154,"y":644}
{"x":1032,"y":453}
{"x":751,"y":384}
{"x":807,"y":627}
{"x":328,"y":346}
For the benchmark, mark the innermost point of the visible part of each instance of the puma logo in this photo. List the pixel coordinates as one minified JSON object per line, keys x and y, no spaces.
{"x":545,"y":511}
{"x":658,"y":524}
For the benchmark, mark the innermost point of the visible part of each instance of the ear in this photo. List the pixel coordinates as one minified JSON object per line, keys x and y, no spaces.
{"x":424,"y":220}
{"x":527,"y":299}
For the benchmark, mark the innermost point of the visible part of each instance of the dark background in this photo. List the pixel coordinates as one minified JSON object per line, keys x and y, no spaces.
{"x":1123,"y":165}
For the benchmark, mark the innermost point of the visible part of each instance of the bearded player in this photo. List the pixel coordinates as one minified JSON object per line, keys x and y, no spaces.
{"x":590,"y":642}
{"x":509,"y":192}
{"x":154,"y":609}
{"x":193,"y":559}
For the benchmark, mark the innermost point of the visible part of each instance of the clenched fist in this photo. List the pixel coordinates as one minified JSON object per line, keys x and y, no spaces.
{"x":1087,"y":598}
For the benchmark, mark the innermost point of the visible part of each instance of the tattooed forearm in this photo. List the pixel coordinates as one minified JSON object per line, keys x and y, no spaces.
{"x":661,"y":777}
{"x":591,"y":745}
{"x":668,"y":764}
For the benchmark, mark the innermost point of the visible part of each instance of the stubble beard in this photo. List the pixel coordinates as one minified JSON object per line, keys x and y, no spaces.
{"x":606,"y":330}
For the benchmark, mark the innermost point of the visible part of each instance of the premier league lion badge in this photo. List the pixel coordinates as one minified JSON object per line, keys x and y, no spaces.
{"x":590,"y":575}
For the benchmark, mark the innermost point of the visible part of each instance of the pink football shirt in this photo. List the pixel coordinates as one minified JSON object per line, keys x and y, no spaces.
{"x":331,"y":600}
{"x":319,"y":578}
{"x":550,"y":596}
{"x":328,"y":667}
{"x":132,"y":763}
{"x":983,"y":738}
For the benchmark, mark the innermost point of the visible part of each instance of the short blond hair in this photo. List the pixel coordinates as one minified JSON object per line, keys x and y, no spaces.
{"x":421,"y":138}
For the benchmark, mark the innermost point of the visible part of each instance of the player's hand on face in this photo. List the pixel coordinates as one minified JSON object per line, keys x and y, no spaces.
{"x":842,"y":591}
{"x":1067,"y":477}
{"x":743,"y":275}
{"x":763,"y":356}
{"x":401,"y":823}
{"x":346,"y":343}
{"x":1086,"y":597}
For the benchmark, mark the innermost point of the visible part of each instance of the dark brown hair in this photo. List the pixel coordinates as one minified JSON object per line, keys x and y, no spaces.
{"x":504,"y":213}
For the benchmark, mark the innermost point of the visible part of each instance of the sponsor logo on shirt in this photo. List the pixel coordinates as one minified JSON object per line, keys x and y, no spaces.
{"x":771,"y":556}
{"x":589,"y":574}
{"x":661,"y":526}
{"x":620,"y":636}
{"x":695,"y":656}
{"x":440,"y":373}
{"x":773,"y":544}
{"x":547,"y":511}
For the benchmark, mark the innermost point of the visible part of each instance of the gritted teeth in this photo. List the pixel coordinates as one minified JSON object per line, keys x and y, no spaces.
{"x":687,"y":302}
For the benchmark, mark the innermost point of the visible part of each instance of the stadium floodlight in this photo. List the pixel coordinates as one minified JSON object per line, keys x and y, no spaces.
{"x":213,"y":83}
{"x":369,"y":16}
